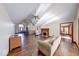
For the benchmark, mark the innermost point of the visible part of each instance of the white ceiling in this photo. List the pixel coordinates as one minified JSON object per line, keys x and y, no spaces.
{"x":58,"y":11}
{"x":19,"y":11}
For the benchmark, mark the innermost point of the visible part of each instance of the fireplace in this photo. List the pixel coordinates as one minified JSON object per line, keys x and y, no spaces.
{"x":45,"y":32}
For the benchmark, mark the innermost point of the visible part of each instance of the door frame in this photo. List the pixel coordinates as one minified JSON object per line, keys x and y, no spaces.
{"x":71,"y":31}
{"x":78,"y":32}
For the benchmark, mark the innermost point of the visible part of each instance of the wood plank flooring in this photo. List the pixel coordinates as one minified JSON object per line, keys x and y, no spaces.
{"x":29,"y":47}
{"x":67,"y":48}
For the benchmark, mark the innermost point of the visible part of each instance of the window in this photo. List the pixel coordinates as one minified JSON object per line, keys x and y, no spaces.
{"x":21,"y":27}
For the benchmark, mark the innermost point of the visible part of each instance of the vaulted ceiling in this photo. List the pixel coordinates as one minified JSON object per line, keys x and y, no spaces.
{"x":58,"y":11}
{"x":47,"y":12}
{"x":20,"y":11}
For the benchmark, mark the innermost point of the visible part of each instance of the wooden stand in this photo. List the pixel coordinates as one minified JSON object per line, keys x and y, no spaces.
{"x":14,"y":42}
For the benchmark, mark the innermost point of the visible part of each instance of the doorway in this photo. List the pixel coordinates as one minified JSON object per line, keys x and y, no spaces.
{"x":21,"y":28}
{"x":66,"y":30}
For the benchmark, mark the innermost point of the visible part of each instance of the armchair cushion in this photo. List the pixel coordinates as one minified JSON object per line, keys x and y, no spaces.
{"x":44,"y":47}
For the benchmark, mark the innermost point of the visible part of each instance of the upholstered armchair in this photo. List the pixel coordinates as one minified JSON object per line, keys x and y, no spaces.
{"x":48,"y":47}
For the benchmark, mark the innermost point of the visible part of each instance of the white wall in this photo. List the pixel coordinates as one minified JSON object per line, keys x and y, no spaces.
{"x":16,"y":28}
{"x":6,"y":29}
{"x":54,"y":27}
{"x":76,"y":27}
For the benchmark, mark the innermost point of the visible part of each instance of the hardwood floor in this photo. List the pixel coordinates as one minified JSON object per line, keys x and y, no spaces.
{"x":29,"y":47}
{"x":67,"y":48}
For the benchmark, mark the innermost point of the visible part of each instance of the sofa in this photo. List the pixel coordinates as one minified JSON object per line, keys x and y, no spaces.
{"x":49,"y":46}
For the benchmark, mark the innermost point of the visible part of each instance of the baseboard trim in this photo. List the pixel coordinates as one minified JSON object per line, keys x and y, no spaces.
{"x":4,"y":52}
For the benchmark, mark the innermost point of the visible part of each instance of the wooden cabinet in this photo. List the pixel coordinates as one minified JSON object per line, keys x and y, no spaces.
{"x":14,"y":42}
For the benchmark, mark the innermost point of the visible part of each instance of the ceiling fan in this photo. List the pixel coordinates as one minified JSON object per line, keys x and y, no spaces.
{"x":35,"y":17}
